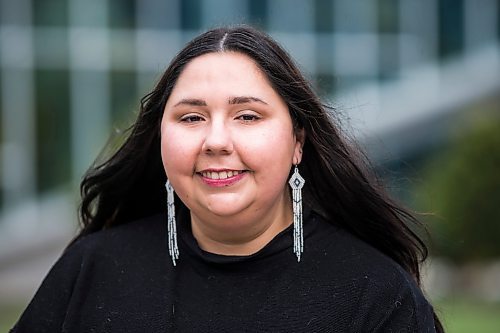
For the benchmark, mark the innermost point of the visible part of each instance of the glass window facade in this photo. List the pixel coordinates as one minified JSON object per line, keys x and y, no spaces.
{"x":52,"y":129}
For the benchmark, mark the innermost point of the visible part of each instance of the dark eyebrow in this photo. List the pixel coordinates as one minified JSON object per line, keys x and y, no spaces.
{"x":232,"y":100}
{"x":192,"y":102}
{"x":245,"y":99}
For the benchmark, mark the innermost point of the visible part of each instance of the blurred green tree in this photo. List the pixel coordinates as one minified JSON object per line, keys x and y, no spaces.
{"x":463,"y":192}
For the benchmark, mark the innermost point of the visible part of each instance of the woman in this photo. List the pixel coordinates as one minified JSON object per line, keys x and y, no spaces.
{"x":268,"y":223}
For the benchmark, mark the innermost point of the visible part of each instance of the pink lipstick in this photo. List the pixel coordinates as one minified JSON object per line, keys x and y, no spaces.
{"x":221,"y":177}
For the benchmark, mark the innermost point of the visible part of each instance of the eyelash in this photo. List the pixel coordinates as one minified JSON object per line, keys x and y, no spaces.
{"x":243,"y":116}
{"x":191,"y":118}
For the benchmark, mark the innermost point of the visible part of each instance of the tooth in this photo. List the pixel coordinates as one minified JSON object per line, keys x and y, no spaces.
{"x":229,"y":174}
{"x":215,"y":175}
{"x":223,"y":175}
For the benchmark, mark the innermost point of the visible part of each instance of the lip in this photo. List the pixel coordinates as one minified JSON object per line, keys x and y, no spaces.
{"x":222,"y":182}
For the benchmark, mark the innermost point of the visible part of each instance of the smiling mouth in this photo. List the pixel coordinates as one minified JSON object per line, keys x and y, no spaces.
{"x":221,"y":174}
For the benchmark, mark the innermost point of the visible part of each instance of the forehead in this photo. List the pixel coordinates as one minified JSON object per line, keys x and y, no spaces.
{"x":227,"y":60}
{"x":229,"y":68}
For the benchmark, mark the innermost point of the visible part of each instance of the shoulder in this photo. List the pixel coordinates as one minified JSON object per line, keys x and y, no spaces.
{"x":120,"y":245}
{"x":101,"y":270}
{"x":356,"y":258}
{"x":137,"y":236}
{"x":106,"y":254}
{"x":384,"y":296}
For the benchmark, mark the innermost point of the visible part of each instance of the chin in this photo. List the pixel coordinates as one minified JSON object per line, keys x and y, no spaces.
{"x":226,"y":211}
{"x":225,"y":205}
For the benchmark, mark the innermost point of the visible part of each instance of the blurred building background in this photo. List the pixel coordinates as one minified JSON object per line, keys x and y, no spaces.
{"x":409,"y":79}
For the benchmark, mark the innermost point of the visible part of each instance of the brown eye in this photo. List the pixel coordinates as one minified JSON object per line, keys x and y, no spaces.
{"x":248,"y":117}
{"x":191,"y":119}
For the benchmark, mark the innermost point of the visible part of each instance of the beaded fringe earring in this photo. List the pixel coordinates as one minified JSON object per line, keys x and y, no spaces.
{"x":296,"y":183}
{"x":173,"y":250}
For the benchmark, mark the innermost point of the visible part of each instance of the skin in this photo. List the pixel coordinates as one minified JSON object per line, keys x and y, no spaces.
{"x":224,"y":116}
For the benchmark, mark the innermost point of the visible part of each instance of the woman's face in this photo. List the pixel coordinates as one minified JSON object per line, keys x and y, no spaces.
{"x":228,"y":142}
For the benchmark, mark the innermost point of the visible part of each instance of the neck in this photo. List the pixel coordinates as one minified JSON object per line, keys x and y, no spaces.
{"x":241,"y":234}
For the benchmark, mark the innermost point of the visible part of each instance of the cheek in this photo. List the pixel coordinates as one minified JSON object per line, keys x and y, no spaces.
{"x":177,"y":156}
{"x":271,"y":153}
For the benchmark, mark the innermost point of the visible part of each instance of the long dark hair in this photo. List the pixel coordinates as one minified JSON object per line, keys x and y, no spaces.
{"x":130,"y":184}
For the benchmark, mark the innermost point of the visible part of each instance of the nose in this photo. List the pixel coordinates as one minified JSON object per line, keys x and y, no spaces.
{"x":218,"y":139}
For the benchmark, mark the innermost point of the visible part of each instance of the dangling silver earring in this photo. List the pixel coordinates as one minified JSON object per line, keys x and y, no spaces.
{"x":173,"y":250}
{"x":296,"y":183}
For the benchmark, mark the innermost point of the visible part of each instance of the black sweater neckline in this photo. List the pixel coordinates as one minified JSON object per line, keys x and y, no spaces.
{"x":283,"y":241}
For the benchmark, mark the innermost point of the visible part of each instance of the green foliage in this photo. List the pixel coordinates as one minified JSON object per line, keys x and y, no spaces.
{"x":9,"y":314}
{"x":464,"y":316}
{"x":464,"y":195}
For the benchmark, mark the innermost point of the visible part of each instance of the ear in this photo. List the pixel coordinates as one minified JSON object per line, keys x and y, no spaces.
{"x":300,"y":137}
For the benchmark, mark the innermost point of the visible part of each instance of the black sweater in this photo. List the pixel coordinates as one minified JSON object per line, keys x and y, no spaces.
{"x":122,"y":280}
